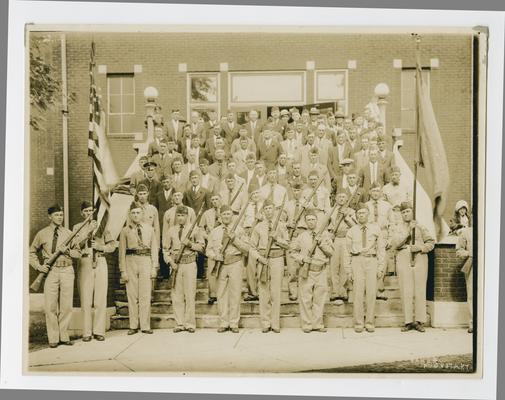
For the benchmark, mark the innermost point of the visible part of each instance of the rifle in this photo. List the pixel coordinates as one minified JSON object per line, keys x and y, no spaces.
{"x":264,"y":268}
{"x":305,"y":205}
{"x":35,"y":286}
{"x":226,"y":243}
{"x":187,"y":236}
{"x":236,"y":194}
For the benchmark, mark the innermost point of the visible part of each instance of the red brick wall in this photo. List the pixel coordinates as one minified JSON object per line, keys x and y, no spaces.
{"x":446,"y":281}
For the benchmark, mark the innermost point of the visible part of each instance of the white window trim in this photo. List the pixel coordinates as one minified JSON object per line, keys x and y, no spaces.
{"x":317,"y":100}
{"x":216,"y":105}
{"x":402,"y":108}
{"x":121,"y":113}
{"x":262,"y":103}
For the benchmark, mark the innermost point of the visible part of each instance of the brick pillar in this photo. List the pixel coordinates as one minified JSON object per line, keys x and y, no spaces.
{"x":446,"y":290}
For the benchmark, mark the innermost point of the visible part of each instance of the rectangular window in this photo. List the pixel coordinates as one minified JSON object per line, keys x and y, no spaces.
{"x":121,"y":103}
{"x":331,"y":86}
{"x":408,"y":97}
{"x":272,"y":88}
{"x":203,"y":94}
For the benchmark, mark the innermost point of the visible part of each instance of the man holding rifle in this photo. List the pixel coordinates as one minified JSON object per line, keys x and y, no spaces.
{"x":180,"y":248}
{"x":269,"y":239}
{"x":226,"y":248}
{"x":93,"y":274}
{"x":59,"y":283}
{"x":312,"y":250}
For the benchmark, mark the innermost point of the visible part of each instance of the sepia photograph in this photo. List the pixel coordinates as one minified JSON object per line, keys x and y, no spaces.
{"x":254,"y":200}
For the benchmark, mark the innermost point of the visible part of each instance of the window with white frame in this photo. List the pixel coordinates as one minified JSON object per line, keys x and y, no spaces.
{"x":272,"y":88}
{"x":121,"y":103}
{"x":203,"y":93}
{"x":331,"y":86}
{"x":408,"y":97}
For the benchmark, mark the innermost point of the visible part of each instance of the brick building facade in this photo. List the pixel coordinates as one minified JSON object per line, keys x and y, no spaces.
{"x":167,"y":61}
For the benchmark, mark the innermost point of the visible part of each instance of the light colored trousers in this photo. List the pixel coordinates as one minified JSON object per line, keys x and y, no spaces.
{"x":58,"y":302}
{"x":138,"y":290}
{"x":211,"y":278}
{"x":229,"y":294}
{"x":93,"y":292}
{"x":312,"y":295}
{"x":252,"y":276}
{"x":338,"y":275}
{"x":292,"y":267}
{"x":364,"y":272}
{"x":412,"y":282}
{"x":183,"y":295}
{"x":469,"y":296}
{"x":270,"y":294}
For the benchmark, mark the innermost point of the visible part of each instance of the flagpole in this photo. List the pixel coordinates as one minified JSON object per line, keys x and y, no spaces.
{"x":416,"y":154}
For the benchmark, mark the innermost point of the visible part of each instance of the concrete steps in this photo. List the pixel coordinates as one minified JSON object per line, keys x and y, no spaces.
{"x":388,"y":313}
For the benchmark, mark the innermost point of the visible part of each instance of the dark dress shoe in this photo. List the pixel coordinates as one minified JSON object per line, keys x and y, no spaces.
{"x":419,"y":327}
{"x":221,"y":330}
{"x":148,"y":331}
{"x":86,"y":339}
{"x":67,"y":343}
{"x":293,"y":298}
{"x":333,"y":298}
{"x":276,"y":330}
{"x":265,"y":330}
{"x":53,"y":345}
{"x":381,"y":297}
{"x":370,"y":328}
{"x":100,"y":338}
{"x":132,"y":331}
{"x":251,"y":298}
{"x":191,"y":330}
{"x":211,"y":300}
{"x":323,"y":329}
{"x":407,"y":327}
{"x":470,"y":330}
{"x":234,"y":330}
{"x":307,"y":330}
{"x":178,"y":329}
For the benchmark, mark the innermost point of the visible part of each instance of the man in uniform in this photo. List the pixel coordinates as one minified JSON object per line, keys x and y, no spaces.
{"x":464,"y":250}
{"x":312,"y":283}
{"x":320,"y":202}
{"x":342,"y":219}
{"x":271,"y":266}
{"x":169,"y":217}
{"x":229,"y":276}
{"x":138,"y":264}
{"x":93,"y":275}
{"x":59,"y":282}
{"x":151,"y":181}
{"x":149,"y":212}
{"x":380,"y":213}
{"x":271,"y":189}
{"x":210,"y":219}
{"x":184,"y":269}
{"x":412,"y":267}
{"x":366,"y":248}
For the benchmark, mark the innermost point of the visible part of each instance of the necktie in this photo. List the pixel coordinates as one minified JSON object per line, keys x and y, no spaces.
{"x":194,"y":189}
{"x":363,"y":236}
{"x":220,"y":171}
{"x":297,"y":209}
{"x":181,"y":227}
{"x":376,"y":211}
{"x":139,"y":233}
{"x":55,"y":240}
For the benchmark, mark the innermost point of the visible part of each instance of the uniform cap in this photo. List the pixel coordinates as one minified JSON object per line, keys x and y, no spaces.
{"x":142,"y":188}
{"x":183,"y":210}
{"x":375,"y":186}
{"x":294,"y":110}
{"x":54,"y":208}
{"x":339,"y":115}
{"x":86,"y":204}
{"x":150,"y":164}
{"x":204,"y":161}
{"x":225,"y":207}
{"x":362,"y":206}
{"x":135,"y":205}
{"x":342,"y":191}
{"x":310,"y":211}
{"x":164,"y":177}
{"x":268,"y":203}
{"x":230,"y":175}
{"x":405,"y":205}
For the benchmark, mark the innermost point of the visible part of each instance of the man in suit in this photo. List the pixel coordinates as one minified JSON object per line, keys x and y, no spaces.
{"x":338,"y":153}
{"x":276,"y":122}
{"x":341,"y":182}
{"x":154,"y":146}
{"x":261,"y":176}
{"x":174,"y":126}
{"x":249,"y":174}
{"x":180,"y":177}
{"x":291,"y":146}
{"x":323,"y":144}
{"x":196,"y":196}
{"x":185,"y":141}
{"x":151,"y":181}
{"x":214,"y":138}
{"x":208,"y":182}
{"x":195,"y":149}
{"x":210,"y":123}
{"x":162,"y":159}
{"x":361,"y":156}
{"x":352,"y":140}
{"x":386,"y":155}
{"x":197,"y":127}
{"x":374,"y":172}
{"x":253,"y":127}
{"x":163,"y":202}
{"x":230,"y":128}
{"x":268,"y":149}
{"x":305,"y":151}
{"x":218,"y":167}
{"x":295,"y":176}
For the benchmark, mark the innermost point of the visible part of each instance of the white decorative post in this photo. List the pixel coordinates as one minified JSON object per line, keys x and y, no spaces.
{"x":151,"y":95}
{"x":381,"y":91}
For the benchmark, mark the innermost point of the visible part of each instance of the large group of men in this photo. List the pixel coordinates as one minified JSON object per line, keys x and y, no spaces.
{"x":313,"y":196}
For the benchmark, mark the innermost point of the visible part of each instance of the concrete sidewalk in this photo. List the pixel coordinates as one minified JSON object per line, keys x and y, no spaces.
{"x":248,"y":351}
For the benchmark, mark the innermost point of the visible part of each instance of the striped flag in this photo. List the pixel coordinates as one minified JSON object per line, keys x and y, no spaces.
{"x":432,"y":156}
{"x":104,"y":171}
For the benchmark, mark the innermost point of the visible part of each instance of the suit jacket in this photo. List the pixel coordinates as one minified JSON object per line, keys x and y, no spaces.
{"x":365,"y":179}
{"x":268,"y":154}
{"x":154,"y":187}
{"x":172,"y":132}
{"x":162,"y":203}
{"x":324,"y":146}
{"x":387,"y":160}
{"x":334,"y":159}
{"x":154,"y":147}
{"x":230,"y":133}
{"x":253,"y":132}
{"x":165,"y":163}
{"x":197,"y":200}
{"x":200,"y":131}
{"x":202,"y":153}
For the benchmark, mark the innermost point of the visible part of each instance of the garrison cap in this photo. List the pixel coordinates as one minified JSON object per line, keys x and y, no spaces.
{"x":313,"y":173}
{"x":225,"y":207}
{"x":135,"y":205}
{"x":183,"y":210}
{"x":150,"y":164}
{"x":310,"y":211}
{"x":230,"y":175}
{"x":86,"y":204}
{"x":165,"y":177}
{"x":395,"y":169}
{"x":375,"y":186}
{"x":268,"y":203}
{"x":362,"y":206}
{"x":204,"y":161}
{"x":54,"y":208}
{"x":405,"y":205}
{"x":142,"y":188}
